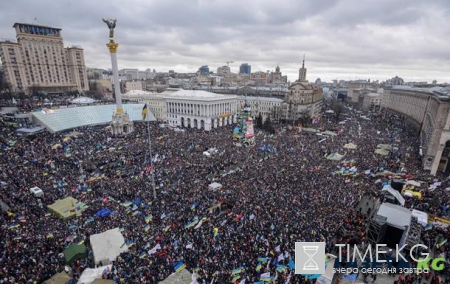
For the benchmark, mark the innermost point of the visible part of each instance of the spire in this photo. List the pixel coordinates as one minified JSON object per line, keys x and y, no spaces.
{"x":302,"y":71}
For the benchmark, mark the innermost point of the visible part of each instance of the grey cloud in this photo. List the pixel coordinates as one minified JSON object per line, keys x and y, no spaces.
{"x":344,"y":38}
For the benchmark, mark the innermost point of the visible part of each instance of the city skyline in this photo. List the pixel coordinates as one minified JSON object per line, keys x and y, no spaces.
{"x":341,"y":39}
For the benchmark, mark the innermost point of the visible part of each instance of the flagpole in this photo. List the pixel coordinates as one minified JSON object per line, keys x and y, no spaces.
{"x":151,"y":158}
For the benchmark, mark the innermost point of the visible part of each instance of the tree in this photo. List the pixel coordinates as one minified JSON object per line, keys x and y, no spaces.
{"x":259,"y":121}
{"x":338,"y":108}
{"x":268,"y":125}
{"x":5,"y":87}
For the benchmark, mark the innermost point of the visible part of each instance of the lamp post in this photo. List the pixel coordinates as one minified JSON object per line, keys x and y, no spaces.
{"x":152,"y":170}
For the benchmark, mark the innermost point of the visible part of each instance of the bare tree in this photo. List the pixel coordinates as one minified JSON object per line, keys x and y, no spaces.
{"x":338,"y":108}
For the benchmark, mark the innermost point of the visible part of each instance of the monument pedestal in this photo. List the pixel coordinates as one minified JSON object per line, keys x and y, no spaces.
{"x":121,"y":124}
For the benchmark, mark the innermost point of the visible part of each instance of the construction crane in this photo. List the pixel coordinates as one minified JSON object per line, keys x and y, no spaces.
{"x":228,"y":63}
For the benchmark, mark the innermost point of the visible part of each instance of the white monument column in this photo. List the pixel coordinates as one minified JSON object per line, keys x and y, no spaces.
{"x":121,"y":124}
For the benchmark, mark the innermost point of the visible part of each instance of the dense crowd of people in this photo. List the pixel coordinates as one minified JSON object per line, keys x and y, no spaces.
{"x":269,"y":200}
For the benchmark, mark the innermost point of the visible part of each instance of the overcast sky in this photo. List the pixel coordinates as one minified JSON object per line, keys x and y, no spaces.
{"x":345,"y":39}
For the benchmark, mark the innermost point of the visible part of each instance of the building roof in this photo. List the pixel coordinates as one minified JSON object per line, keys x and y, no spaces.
{"x":73,"y":117}
{"x":138,"y":93}
{"x":436,"y":90}
{"x":41,"y":26}
{"x":397,"y":216}
{"x":264,"y":99}
{"x":83,"y":100}
{"x":197,"y":95}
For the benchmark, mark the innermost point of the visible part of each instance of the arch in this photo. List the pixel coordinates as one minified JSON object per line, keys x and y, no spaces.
{"x":182,"y":122}
{"x":202,"y":124}
{"x":188,"y":123}
{"x":195,"y":123}
{"x":212,"y":123}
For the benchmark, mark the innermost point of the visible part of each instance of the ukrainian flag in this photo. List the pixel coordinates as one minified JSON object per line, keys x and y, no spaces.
{"x":13,"y":226}
{"x":148,"y":218}
{"x":259,"y":266}
{"x":216,"y":231}
{"x":80,"y":243}
{"x":147,"y":228}
{"x":179,"y":266}
{"x":236,"y":278}
{"x":166,"y":228}
{"x":128,"y":203}
{"x":143,"y":255}
{"x":121,"y":229}
{"x":144,"y":112}
{"x":236,"y":271}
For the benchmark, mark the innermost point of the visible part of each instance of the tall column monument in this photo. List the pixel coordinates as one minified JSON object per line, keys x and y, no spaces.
{"x":121,"y":124}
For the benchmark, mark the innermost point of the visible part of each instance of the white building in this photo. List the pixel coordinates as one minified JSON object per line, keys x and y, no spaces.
{"x":200,"y":109}
{"x":261,"y":105}
{"x":155,"y":102}
{"x":133,"y":85}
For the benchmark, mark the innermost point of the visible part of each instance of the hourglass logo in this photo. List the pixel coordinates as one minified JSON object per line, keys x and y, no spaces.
{"x":309,"y":258}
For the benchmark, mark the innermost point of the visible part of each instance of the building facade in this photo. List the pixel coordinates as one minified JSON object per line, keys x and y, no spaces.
{"x":223,"y":70}
{"x":371,"y":101}
{"x":261,"y":105}
{"x":38,"y":61}
{"x":302,"y":100}
{"x":200,"y":109}
{"x":358,"y":84}
{"x":429,"y":110}
{"x":245,"y":69}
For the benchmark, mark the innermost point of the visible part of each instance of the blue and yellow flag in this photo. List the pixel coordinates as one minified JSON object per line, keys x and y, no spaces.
{"x":179,"y":266}
{"x":144,"y":112}
{"x":148,"y":218}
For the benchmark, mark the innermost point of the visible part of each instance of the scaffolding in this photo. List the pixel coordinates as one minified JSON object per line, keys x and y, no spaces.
{"x":376,"y":229}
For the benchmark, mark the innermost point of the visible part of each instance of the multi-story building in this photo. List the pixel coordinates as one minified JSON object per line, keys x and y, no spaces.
{"x":276,"y":77}
{"x":429,"y":110}
{"x":303,"y":99}
{"x":259,"y":77}
{"x":245,"y":69}
{"x":359,"y":84}
{"x":261,"y":105}
{"x":223,"y":70}
{"x":200,"y":109}
{"x":371,"y":101}
{"x":133,"y":85}
{"x":204,"y":70}
{"x":38,"y":61}
{"x":129,"y":74}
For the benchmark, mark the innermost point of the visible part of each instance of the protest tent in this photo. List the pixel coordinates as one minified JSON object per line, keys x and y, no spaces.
{"x":60,"y":278}
{"x":384,"y":146}
{"x":91,"y":275}
{"x":329,"y":133}
{"x":335,"y":157}
{"x":67,"y":207}
{"x":382,"y":152}
{"x":107,"y":246}
{"x":37,"y":191}
{"x":215,"y":186}
{"x":105,"y":212}
{"x":103,"y":281}
{"x":413,"y":183}
{"x":310,"y":130}
{"x":181,"y":277}
{"x":350,"y":146}
{"x":74,"y":252}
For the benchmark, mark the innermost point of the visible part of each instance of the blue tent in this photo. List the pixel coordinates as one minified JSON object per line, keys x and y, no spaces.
{"x":105,"y":212}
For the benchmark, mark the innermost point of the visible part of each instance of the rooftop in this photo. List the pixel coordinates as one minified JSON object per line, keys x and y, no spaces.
{"x":265,"y":99}
{"x":197,"y":95}
{"x":436,"y":90}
